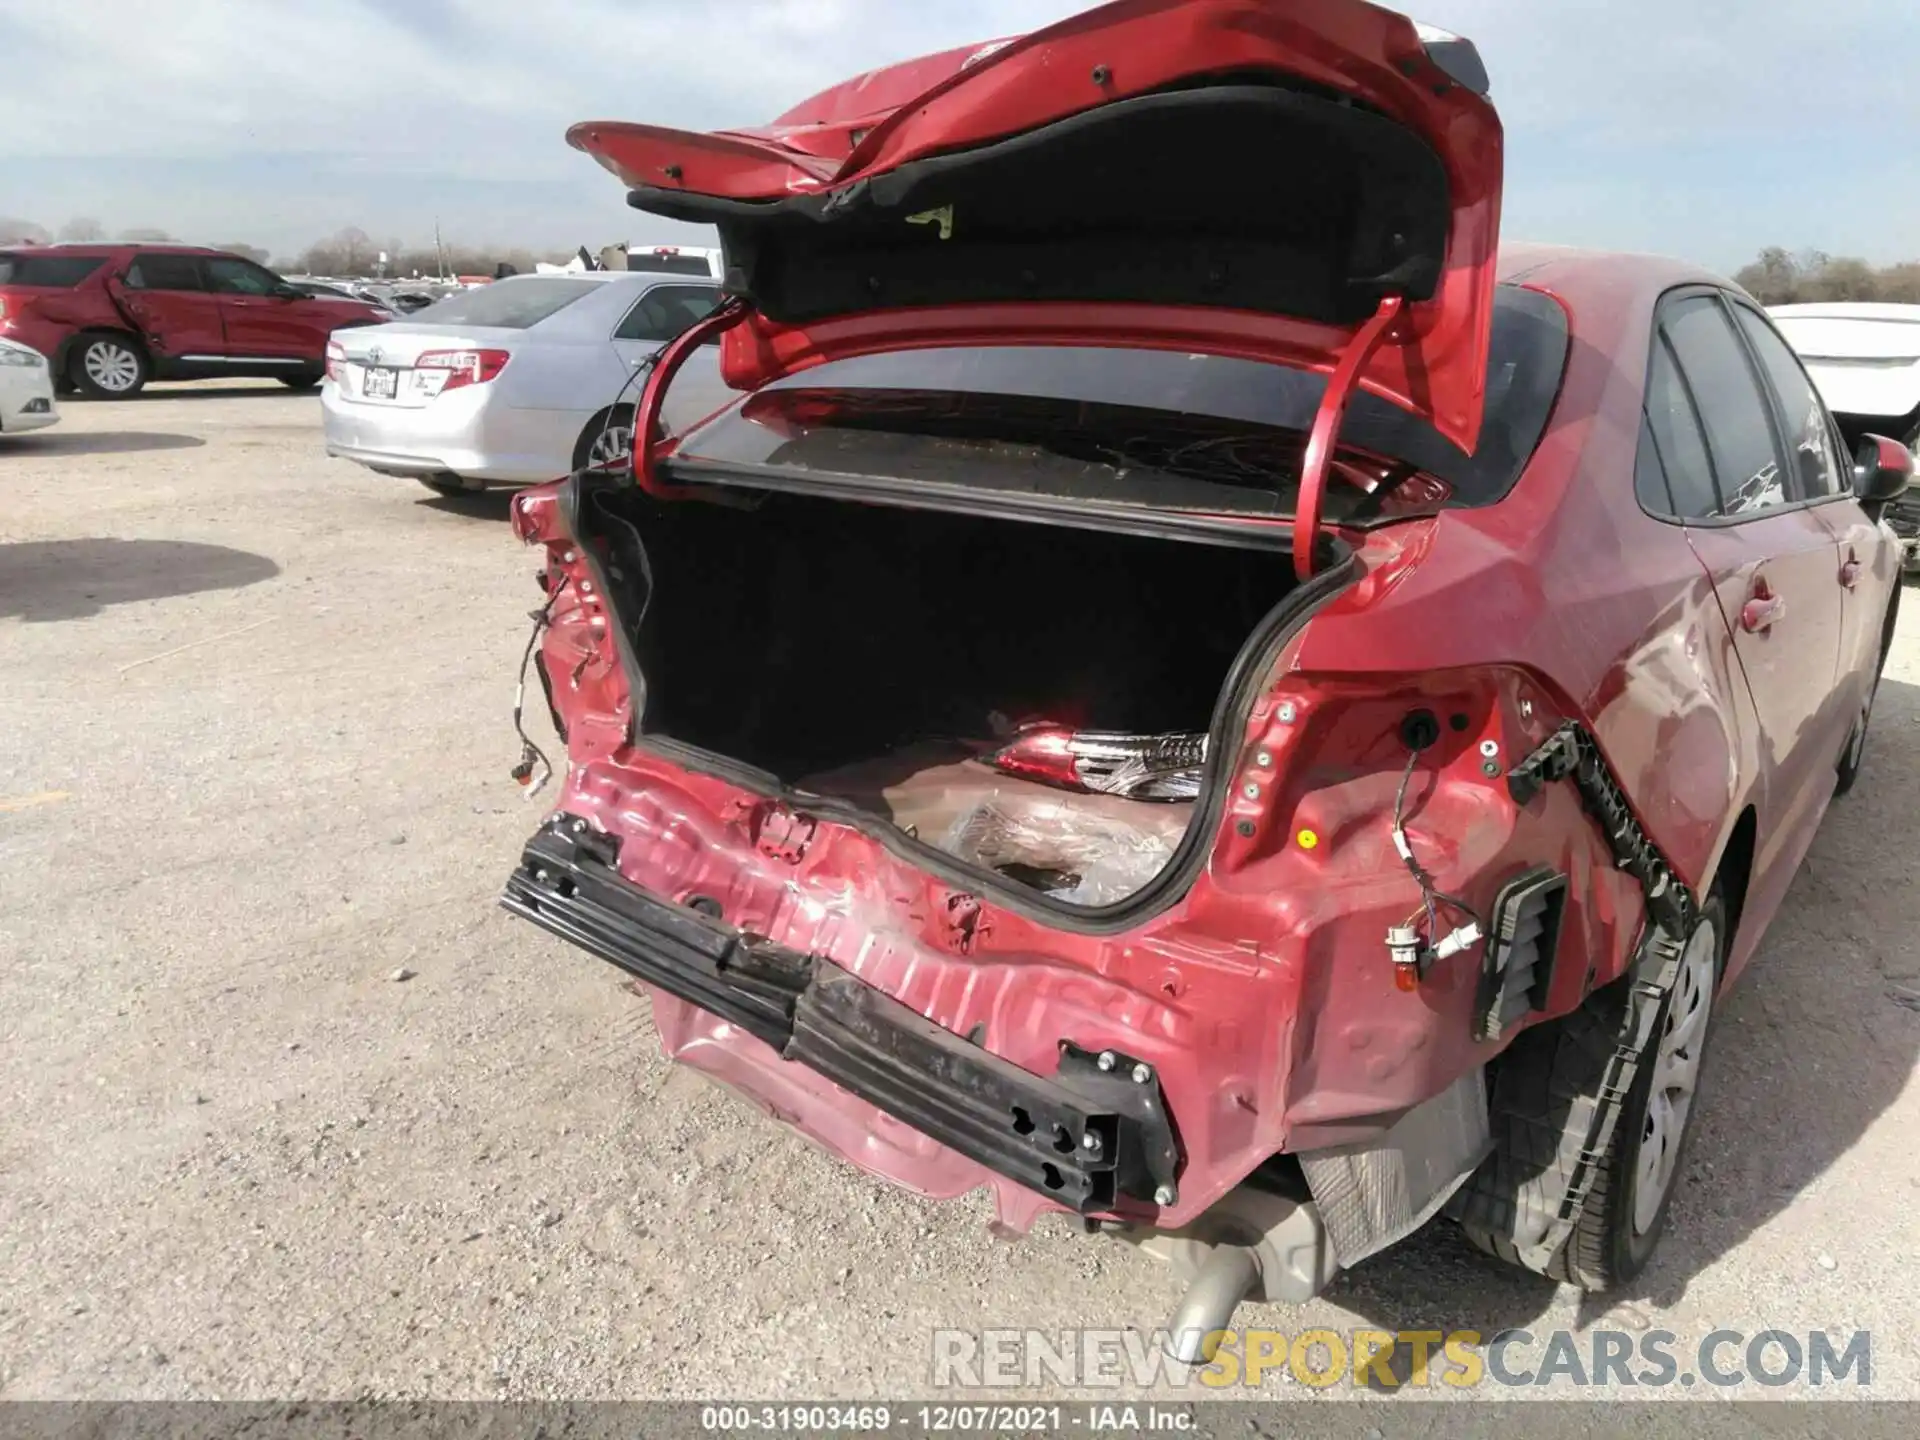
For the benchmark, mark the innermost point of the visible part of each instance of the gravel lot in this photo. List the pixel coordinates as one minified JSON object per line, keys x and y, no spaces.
{"x":254,"y":746}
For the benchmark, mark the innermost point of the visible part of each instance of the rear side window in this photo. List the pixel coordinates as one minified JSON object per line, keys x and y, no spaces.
{"x":1810,"y":449}
{"x":665,"y":310}
{"x":54,"y":272}
{"x":233,"y":276}
{"x":165,"y":272}
{"x":507,"y":304}
{"x":1732,"y":409}
{"x":1686,"y":487}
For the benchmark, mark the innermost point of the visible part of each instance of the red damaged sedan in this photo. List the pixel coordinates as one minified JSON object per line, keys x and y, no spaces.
{"x":1188,"y":690}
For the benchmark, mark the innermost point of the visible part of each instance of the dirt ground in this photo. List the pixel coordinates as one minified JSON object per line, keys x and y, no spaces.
{"x":254,"y":746}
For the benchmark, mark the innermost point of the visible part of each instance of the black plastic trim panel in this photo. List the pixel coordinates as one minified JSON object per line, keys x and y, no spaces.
{"x":1097,"y":1133}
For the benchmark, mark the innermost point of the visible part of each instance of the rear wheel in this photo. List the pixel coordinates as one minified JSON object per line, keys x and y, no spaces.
{"x":1856,"y":752}
{"x":607,"y":440}
{"x":107,"y":367}
{"x":306,"y":380}
{"x":1627,"y":1207}
{"x":1547,"y":1092}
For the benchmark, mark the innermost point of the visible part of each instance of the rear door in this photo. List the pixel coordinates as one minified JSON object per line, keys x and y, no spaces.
{"x":1774,"y":564}
{"x":658,"y":314}
{"x":165,"y":295}
{"x":261,"y":323}
{"x":1868,"y":569}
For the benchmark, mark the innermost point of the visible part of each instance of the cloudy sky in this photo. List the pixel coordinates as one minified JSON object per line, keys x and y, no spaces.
{"x":1702,"y":128}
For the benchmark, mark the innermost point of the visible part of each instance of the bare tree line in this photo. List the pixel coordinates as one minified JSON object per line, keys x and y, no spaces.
{"x":1781,"y":277}
{"x":347,"y":252}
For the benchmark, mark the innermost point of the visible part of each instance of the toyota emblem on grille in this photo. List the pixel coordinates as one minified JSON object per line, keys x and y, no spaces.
{"x":374,"y":354}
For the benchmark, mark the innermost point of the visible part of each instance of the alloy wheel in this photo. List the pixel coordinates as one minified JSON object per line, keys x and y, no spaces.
{"x":1676,"y":1075}
{"x":611,"y":446}
{"x":111,"y":366}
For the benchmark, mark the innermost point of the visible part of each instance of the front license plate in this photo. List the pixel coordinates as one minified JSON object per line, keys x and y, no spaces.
{"x":380,"y":383}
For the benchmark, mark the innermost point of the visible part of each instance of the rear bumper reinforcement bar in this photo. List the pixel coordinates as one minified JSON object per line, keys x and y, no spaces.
{"x":1095,"y":1134}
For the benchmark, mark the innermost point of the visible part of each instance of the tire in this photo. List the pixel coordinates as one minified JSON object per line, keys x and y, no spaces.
{"x":1855,"y":754}
{"x":108,"y":367}
{"x":309,"y":380}
{"x":1627,"y":1208}
{"x":1553,"y":1072}
{"x":606,"y":440}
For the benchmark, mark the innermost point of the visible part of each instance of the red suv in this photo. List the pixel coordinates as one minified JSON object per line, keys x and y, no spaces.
{"x":112,"y":317}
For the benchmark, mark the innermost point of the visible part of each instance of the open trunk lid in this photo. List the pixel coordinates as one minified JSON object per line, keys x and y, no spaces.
{"x":1315,"y":185}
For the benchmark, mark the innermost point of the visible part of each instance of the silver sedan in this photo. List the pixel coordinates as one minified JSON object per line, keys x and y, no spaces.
{"x":517,"y":382}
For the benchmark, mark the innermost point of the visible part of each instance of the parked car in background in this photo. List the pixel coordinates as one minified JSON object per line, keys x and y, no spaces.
{"x":675,"y":259}
{"x":1865,"y":359}
{"x":1221,"y":706}
{"x":408,"y":302}
{"x":26,"y":389}
{"x":328,"y":289}
{"x":112,"y":317}
{"x":514,"y":382}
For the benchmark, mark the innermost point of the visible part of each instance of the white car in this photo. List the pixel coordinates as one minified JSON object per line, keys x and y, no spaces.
{"x":1865,"y":361}
{"x":518,"y":382}
{"x":26,"y":389}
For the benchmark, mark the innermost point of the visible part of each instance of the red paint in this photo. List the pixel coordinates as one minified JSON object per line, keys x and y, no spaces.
{"x":1435,"y":364}
{"x":172,"y":323}
{"x":653,"y":396}
{"x":1287,"y":1027}
{"x":1321,"y":440}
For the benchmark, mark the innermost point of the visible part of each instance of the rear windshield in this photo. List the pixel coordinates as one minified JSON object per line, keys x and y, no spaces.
{"x":56,"y":272}
{"x":507,"y":304}
{"x":1165,"y":430}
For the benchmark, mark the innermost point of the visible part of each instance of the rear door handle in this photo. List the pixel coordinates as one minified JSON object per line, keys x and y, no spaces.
{"x":1850,"y":570}
{"x":1762,"y":612}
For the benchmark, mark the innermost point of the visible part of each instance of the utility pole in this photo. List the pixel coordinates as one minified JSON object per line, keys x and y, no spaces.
{"x":439,"y":262}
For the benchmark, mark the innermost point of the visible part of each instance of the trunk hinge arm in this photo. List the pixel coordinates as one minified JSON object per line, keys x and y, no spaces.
{"x":650,"y":446}
{"x":1326,"y":429}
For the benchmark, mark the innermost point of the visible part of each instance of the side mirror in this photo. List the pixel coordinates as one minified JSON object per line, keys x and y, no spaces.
{"x":288,"y":292}
{"x":1882,"y":471}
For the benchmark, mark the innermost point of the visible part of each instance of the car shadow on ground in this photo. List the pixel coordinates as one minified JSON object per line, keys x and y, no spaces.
{"x":48,"y":580}
{"x":1816,"y":1040}
{"x":106,"y":442}
{"x":195,"y":390}
{"x":472,"y":504}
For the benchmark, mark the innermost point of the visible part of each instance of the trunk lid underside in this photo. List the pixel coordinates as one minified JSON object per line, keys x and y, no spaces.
{"x":1213,"y":176}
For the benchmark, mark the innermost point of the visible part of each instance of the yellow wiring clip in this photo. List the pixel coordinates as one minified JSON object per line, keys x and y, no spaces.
{"x":943,"y":217}
{"x":1308,"y":840}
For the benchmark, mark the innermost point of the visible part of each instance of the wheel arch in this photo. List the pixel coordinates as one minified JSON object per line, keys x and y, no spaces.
{"x":591,"y":426}
{"x":63,"y":356}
